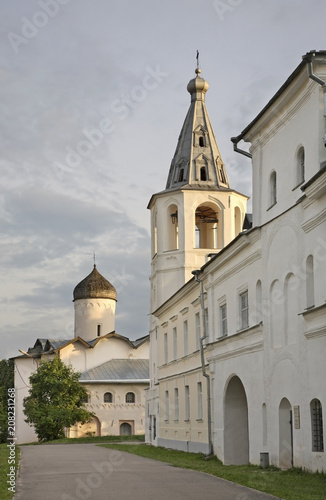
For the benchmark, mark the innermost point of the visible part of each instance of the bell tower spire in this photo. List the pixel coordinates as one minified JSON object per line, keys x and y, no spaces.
{"x":197,"y":160}
{"x":198,"y":213}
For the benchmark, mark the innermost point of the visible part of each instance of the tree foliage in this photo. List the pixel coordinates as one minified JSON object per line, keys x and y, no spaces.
{"x":56,"y":400}
{"x":6,"y":382}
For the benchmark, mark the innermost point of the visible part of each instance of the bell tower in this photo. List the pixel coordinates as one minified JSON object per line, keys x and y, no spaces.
{"x":197,"y":213}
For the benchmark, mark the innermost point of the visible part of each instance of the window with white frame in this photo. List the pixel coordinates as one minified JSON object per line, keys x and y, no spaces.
{"x":185,"y":338}
{"x":223,"y":320}
{"x":175,"y":343}
{"x":167,"y":409}
{"x":165,"y":347}
{"x":187,"y":403}
{"x":244,"y":310}
{"x":176,"y":404}
{"x":206,"y":320}
{"x":200,"y":401}
{"x":197,"y":330}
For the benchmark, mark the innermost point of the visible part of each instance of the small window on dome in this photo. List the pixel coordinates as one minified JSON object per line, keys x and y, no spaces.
{"x":201,"y":141}
{"x":98,"y":330}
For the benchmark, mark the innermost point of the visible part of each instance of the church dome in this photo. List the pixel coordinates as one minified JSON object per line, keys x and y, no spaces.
{"x":95,"y":286}
{"x":198,"y":84}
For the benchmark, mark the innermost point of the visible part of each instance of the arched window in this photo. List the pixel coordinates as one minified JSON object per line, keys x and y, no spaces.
{"x":172,"y":240}
{"x":201,"y":141}
{"x":310,"y":286}
{"x":272,"y":189}
{"x":317,"y":425}
{"x":203,"y":174}
{"x":300,"y":166}
{"x":130,"y":397}
{"x":180,"y":178}
{"x":108,"y":397}
{"x":237,"y":221}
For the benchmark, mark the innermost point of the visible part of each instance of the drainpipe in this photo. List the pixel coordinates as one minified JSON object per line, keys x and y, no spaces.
{"x":202,"y":338}
{"x":309,"y":58}
{"x":235,"y":141}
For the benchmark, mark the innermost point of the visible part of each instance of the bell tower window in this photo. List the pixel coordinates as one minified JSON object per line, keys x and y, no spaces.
{"x":201,"y":142}
{"x":180,"y":178}
{"x":203,"y":174}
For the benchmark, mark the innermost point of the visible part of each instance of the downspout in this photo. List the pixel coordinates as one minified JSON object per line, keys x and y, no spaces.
{"x":235,"y":141}
{"x":309,"y":58}
{"x":205,"y":374}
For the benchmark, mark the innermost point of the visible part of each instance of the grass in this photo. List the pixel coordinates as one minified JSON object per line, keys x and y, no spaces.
{"x":91,"y":439}
{"x":5,"y":494}
{"x":293,"y":484}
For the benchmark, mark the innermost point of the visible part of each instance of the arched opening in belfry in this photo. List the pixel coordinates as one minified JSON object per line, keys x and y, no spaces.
{"x":207,"y":228}
{"x":172,"y":240}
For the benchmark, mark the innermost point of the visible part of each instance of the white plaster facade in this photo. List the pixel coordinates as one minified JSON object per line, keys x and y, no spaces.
{"x":84,"y":354}
{"x":265,"y":304}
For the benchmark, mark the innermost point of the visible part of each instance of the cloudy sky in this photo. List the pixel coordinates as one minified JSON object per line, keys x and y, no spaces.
{"x":93,"y":97}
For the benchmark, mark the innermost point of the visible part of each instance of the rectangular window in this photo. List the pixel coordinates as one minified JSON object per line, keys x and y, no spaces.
{"x":244,"y":311}
{"x":167,"y":411}
{"x":176,"y":404}
{"x":200,"y":401}
{"x":185,"y":338}
{"x":224,"y":322}
{"x":206,"y":320}
{"x":187,"y":403}
{"x":165,"y":348}
{"x":175,"y":344}
{"x":197,"y":325}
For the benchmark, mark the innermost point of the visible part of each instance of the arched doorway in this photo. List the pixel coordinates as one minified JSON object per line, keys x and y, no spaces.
{"x":285,"y":434}
{"x":126,"y":428}
{"x":236,"y":434}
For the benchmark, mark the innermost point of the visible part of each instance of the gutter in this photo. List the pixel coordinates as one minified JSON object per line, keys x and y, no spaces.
{"x":308,"y":58}
{"x":205,"y":374}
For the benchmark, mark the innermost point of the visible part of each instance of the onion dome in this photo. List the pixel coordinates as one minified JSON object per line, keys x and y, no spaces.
{"x":197,"y":87}
{"x":94,"y":286}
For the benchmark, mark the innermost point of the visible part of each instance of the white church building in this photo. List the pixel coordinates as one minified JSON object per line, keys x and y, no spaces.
{"x":238,"y":348}
{"x":114,"y":369}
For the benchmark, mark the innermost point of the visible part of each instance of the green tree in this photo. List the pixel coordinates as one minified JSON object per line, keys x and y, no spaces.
{"x":6,"y":382}
{"x":56,"y":400}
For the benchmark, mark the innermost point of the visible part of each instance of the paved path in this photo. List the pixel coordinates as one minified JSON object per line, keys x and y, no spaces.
{"x":89,"y":472}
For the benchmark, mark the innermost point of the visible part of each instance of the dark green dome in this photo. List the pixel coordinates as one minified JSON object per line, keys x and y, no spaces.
{"x":95,"y":286}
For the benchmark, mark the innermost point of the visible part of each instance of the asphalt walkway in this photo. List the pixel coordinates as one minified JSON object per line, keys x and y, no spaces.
{"x":90,"y":472}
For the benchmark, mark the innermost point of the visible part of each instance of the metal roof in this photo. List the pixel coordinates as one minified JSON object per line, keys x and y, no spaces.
{"x":118,"y":371}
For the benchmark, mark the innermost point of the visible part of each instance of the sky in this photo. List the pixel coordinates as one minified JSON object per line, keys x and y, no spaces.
{"x":93,"y":97}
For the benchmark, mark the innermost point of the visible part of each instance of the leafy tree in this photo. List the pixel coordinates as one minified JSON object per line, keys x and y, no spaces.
{"x":55,"y":400}
{"x":6,"y":382}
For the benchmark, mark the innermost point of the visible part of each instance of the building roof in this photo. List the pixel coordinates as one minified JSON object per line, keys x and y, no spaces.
{"x":49,"y":346}
{"x":197,"y":160}
{"x":95,"y":286}
{"x":118,"y":371}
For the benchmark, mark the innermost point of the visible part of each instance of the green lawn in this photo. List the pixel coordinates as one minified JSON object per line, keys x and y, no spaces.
{"x":92,"y":439}
{"x":5,"y":494}
{"x":294,"y":484}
